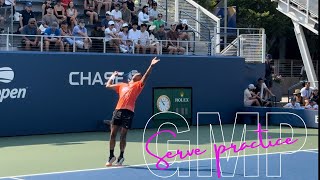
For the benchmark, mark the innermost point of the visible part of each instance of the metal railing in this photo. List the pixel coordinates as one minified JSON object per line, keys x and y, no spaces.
{"x":95,"y":44}
{"x":291,"y":67}
{"x":252,"y":47}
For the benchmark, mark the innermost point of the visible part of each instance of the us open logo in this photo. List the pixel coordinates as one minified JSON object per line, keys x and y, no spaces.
{"x":7,"y":76}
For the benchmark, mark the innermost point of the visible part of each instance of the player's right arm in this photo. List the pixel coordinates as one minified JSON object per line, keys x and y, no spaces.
{"x":110,"y":84}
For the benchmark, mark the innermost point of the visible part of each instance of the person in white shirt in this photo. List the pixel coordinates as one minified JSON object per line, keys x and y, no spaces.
{"x":249,"y":97}
{"x":143,"y":16}
{"x":154,"y":41}
{"x":144,"y":40}
{"x":117,"y":17}
{"x":153,"y":13}
{"x":134,"y":34}
{"x":306,"y":91}
{"x":293,"y":104}
{"x":112,"y":37}
{"x":312,"y":105}
{"x":125,"y":43}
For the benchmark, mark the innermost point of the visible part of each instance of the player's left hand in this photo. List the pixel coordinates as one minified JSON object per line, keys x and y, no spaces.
{"x":154,"y":61}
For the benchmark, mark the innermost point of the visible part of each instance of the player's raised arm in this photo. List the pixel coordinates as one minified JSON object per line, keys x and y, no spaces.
{"x":110,"y":84}
{"x":148,"y":72}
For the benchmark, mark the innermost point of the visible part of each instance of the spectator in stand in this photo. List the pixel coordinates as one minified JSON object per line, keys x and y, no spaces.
{"x":250,"y":98}
{"x":161,"y":35}
{"x":96,"y":33}
{"x":306,"y":91}
{"x":65,"y":3}
{"x":51,"y":37}
{"x":315,"y":95}
{"x":143,"y":16}
{"x":26,"y":14}
{"x":105,"y":22}
{"x":153,"y":13}
{"x":105,"y":3}
{"x":312,"y":105}
{"x":126,"y":13}
{"x":153,"y":40}
{"x":144,"y":40}
{"x":117,"y":17}
{"x":293,"y":104}
{"x":80,"y":31}
{"x":149,"y":4}
{"x":45,"y":6}
{"x":303,"y":74}
{"x":30,"y":29}
{"x":89,"y":7}
{"x":125,"y":43}
{"x":112,"y":36}
{"x":59,"y":12}
{"x":72,"y":15}
{"x":268,"y":71}
{"x":184,"y":35}
{"x":65,"y":31}
{"x":261,"y":92}
{"x":173,"y":43}
{"x":131,"y":7}
{"x":134,"y":34}
{"x":157,"y":22}
{"x":297,"y":96}
{"x":49,"y":18}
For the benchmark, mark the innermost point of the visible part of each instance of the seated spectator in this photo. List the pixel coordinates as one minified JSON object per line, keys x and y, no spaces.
{"x":89,"y":7}
{"x":153,"y":13}
{"x":149,"y":5}
{"x":292,"y":104}
{"x":161,"y":36}
{"x":51,"y":37}
{"x":153,"y":40}
{"x":251,"y":99}
{"x":261,"y":91}
{"x":143,"y":17}
{"x":30,"y":29}
{"x":97,"y":32}
{"x":315,"y":95}
{"x":26,"y":14}
{"x":65,"y":3}
{"x":105,"y":22}
{"x":72,"y":15}
{"x":112,"y":37}
{"x":117,"y":17}
{"x":82,"y":39}
{"x":65,"y":31}
{"x":144,"y":41}
{"x":49,"y":18}
{"x":125,"y":43}
{"x":173,"y":43}
{"x":59,"y":12}
{"x":45,"y":6}
{"x":184,"y":35}
{"x":297,"y":95}
{"x":306,"y":91}
{"x":158,"y":22}
{"x":126,"y":13}
{"x":134,"y":33}
{"x":312,"y":105}
{"x":105,"y":3}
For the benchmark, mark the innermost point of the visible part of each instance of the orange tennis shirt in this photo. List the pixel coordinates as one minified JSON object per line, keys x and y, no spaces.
{"x":128,"y":94}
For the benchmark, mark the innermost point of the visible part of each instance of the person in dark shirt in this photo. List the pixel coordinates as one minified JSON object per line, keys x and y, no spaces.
{"x":26,"y":14}
{"x":131,"y":7}
{"x":30,"y":29}
{"x":183,"y":26}
{"x":173,"y":44}
{"x":268,"y":71}
{"x":105,"y":22}
{"x":98,"y":31}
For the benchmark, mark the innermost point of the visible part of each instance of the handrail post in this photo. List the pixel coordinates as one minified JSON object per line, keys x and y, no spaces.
{"x":166,"y":12}
{"x":176,"y":10}
{"x":197,"y":19}
{"x":104,"y":45}
{"x":7,"y":42}
{"x":41,"y":43}
{"x":74,"y":44}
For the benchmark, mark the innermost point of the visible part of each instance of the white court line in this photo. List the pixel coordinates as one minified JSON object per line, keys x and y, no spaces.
{"x":311,"y":151}
{"x":137,"y":165}
{"x":16,"y":178}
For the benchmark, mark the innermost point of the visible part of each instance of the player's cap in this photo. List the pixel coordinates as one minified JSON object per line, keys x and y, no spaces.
{"x":251,"y":86}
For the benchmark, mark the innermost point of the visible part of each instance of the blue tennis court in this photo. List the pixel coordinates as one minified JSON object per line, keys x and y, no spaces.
{"x":300,"y":165}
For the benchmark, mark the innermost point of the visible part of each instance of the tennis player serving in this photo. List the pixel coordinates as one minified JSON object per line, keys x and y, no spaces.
{"x":124,"y":112}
